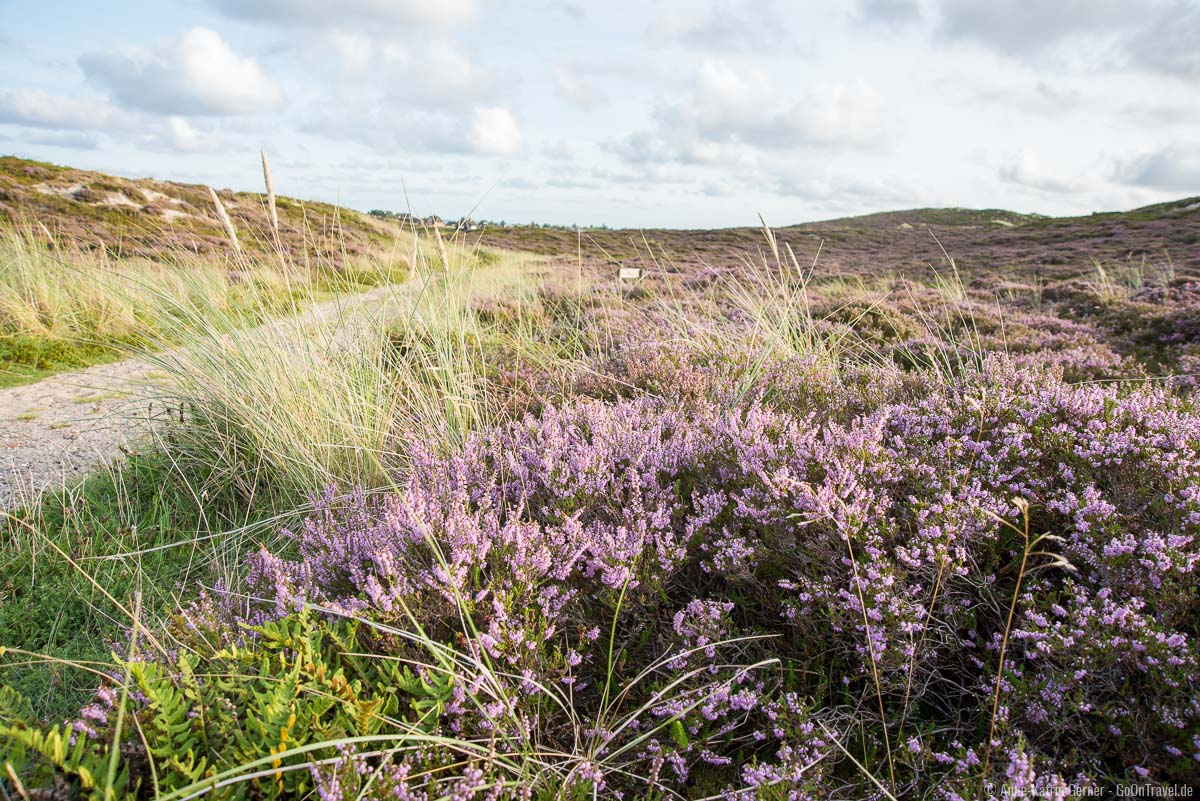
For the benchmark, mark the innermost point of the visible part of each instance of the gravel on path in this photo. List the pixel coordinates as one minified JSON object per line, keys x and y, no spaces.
{"x":56,"y":431}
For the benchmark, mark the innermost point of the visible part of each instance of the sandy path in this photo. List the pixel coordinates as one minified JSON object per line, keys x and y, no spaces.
{"x":63,"y":427}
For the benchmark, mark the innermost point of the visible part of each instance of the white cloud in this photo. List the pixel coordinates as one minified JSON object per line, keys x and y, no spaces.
{"x":398,"y":96}
{"x":195,"y":74}
{"x":354,"y":52}
{"x":437,"y":74}
{"x":1029,"y":170}
{"x":833,"y":113}
{"x":494,"y":132}
{"x":888,"y":12}
{"x":559,"y":150}
{"x":647,"y":175}
{"x":178,"y":136}
{"x":81,"y":124}
{"x":1170,"y":43}
{"x":182,"y":135}
{"x":71,"y":140}
{"x":520,"y":183}
{"x":575,"y":89}
{"x":743,"y":25}
{"x":843,"y":193}
{"x":726,"y":98}
{"x":568,"y":181}
{"x":732,"y":111}
{"x":386,"y":129}
{"x":1022,"y":26}
{"x":1162,"y":36}
{"x":447,"y":70}
{"x":718,"y":189}
{"x":323,"y":12}
{"x":576,"y":11}
{"x":389,"y":129}
{"x":39,"y":109}
{"x":1174,"y":168}
{"x":617,"y":119}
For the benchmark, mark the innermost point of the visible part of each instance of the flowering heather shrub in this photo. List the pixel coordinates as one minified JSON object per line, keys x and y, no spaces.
{"x":704,"y":593}
{"x":876,"y":552}
{"x":1189,"y":370}
{"x":960,"y":334}
{"x":729,"y":375}
{"x":1159,"y":326}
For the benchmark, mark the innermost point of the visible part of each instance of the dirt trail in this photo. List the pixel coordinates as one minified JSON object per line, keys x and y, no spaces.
{"x":63,"y":427}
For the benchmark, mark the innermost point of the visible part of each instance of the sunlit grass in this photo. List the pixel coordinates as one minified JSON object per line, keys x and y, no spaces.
{"x":64,"y":307}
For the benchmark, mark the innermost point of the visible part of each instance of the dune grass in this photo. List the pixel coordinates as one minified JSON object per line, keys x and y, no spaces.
{"x":66,"y":307}
{"x":332,"y":395}
{"x":1117,"y":281}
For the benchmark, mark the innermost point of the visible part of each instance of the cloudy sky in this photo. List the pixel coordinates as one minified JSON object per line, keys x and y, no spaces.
{"x":696,"y":113}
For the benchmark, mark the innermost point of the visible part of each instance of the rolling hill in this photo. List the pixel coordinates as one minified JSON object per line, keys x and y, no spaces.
{"x":147,"y":217}
{"x":150,"y":217}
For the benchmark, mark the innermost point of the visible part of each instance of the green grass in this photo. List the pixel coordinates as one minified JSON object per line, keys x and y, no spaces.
{"x":26,"y":358}
{"x":150,"y":525}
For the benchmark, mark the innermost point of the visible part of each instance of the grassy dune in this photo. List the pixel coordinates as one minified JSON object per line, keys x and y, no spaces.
{"x":154,"y":219}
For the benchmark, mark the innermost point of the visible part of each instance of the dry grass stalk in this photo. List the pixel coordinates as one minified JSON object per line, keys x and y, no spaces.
{"x":46,"y":231}
{"x":226,"y":223}
{"x":441,"y":248}
{"x":1032,"y":547}
{"x":270,"y":197}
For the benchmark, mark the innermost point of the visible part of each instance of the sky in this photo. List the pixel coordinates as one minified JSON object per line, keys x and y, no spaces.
{"x":630,"y":113}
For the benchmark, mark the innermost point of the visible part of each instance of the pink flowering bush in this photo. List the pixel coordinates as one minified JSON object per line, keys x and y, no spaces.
{"x":811,"y":587}
{"x":873,"y":557}
{"x":1158,"y":326}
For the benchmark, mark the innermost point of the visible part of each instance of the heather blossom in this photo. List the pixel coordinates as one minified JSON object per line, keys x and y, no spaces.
{"x":867,"y":545}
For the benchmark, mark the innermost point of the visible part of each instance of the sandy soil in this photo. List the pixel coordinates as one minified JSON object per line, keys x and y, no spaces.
{"x":60,"y":429}
{"x":57,"y":430}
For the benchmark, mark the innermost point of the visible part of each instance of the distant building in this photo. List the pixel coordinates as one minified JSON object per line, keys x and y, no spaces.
{"x":399,"y":216}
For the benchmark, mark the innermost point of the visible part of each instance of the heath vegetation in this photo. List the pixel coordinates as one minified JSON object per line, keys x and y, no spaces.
{"x":765,"y":523}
